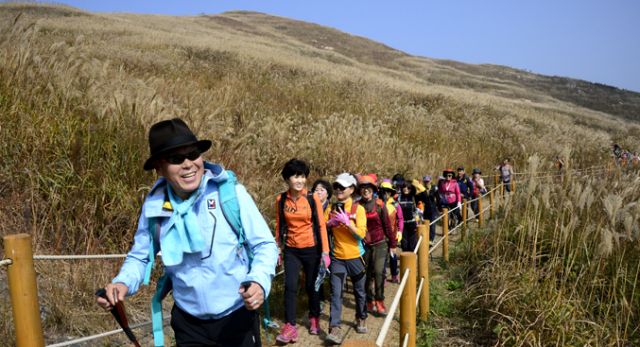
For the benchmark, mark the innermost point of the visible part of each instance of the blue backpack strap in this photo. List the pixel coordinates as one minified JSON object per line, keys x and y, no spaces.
{"x":163,"y":284}
{"x":231,"y":211}
{"x":154,"y":230}
{"x":156,"y":309}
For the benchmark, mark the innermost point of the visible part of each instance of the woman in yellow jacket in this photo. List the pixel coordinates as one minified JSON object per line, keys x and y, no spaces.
{"x":348,"y":223}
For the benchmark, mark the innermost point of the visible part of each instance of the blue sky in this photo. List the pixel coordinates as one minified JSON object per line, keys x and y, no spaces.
{"x":597,"y":41}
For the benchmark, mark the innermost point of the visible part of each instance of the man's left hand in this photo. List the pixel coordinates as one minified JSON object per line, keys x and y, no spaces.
{"x":253,"y":297}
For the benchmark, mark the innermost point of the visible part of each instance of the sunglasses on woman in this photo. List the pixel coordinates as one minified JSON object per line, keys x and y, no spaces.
{"x":179,"y":158}
{"x":339,"y":188}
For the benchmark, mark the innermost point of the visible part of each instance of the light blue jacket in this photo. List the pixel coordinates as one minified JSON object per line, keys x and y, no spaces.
{"x":207,"y":286}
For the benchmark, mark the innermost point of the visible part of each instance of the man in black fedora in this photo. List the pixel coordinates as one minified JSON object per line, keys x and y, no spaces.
{"x":218,"y":252}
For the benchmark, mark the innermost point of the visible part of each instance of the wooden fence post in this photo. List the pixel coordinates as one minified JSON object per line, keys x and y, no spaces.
{"x":23,"y":291}
{"x":464,"y":212}
{"x":408,"y":299}
{"x":445,"y":232}
{"x":423,"y":269}
{"x":492,"y":205}
{"x":501,"y":193}
{"x":479,"y":216}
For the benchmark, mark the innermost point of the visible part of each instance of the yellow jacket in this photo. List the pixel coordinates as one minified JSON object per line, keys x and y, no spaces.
{"x":347,"y":245}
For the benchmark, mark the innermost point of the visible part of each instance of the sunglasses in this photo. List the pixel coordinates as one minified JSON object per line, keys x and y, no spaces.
{"x":339,"y":188}
{"x":179,"y":158}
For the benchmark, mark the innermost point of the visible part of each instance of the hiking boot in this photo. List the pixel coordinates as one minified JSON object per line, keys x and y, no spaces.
{"x":381,"y":308}
{"x":394,"y":279}
{"x":289,"y":334}
{"x":361,"y":328}
{"x":314,"y":327}
{"x":371,"y":305}
{"x":334,"y":336}
{"x":430,"y":243}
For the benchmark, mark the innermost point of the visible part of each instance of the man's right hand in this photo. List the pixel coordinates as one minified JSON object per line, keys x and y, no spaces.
{"x":121,"y":289}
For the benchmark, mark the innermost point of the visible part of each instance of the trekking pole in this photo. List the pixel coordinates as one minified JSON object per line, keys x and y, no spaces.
{"x":23,"y":291}
{"x":120,"y":315}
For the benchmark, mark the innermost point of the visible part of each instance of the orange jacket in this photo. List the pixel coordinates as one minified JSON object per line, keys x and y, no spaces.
{"x":300,"y":222}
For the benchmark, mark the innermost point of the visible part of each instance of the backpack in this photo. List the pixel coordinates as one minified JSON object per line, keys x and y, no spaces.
{"x":377,"y":208}
{"x":414,"y":209}
{"x":231,"y":211}
{"x":476,"y":190}
{"x":314,"y":217}
{"x":393,"y":215}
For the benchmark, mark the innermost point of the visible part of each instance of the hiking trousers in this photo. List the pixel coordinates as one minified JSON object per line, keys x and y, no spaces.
{"x":393,"y":263}
{"x":409,"y":239}
{"x":432,"y":213}
{"x":340,"y":268}
{"x":309,"y":260}
{"x":375,"y":258}
{"x":474,"y":206}
{"x":239,"y":328}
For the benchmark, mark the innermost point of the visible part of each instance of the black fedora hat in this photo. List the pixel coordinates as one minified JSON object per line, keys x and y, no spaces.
{"x":170,"y":134}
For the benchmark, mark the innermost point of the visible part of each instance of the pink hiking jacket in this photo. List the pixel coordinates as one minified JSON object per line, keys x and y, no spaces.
{"x":449,"y":191}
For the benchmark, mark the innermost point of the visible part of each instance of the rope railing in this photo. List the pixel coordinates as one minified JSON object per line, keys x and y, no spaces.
{"x":78,"y":257}
{"x":418,"y":245}
{"x":97,"y":336}
{"x":6,"y":262}
{"x":422,"y":280}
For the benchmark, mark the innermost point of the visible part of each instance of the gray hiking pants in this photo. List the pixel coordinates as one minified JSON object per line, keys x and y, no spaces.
{"x":375,"y":259}
{"x":354,"y":268}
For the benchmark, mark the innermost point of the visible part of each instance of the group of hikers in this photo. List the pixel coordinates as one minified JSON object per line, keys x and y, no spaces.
{"x":623,"y":156}
{"x":219,"y":255}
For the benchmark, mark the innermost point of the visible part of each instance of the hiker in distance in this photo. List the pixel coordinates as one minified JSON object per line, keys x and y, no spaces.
{"x":218,"y":252}
{"x":505,"y":174}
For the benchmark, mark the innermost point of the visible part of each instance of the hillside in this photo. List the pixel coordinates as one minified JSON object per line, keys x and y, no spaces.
{"x":484,"y":78}
{"x":79,"y":91}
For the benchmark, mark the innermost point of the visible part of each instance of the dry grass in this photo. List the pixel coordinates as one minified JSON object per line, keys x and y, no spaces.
{"x":562,"y":267}
{"x":79,"y":90}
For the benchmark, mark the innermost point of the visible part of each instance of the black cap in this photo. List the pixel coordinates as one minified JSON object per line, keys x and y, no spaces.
{"x":460,"y":168}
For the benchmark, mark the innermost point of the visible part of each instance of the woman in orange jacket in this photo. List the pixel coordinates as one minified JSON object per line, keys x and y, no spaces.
{"x":301,"y":233}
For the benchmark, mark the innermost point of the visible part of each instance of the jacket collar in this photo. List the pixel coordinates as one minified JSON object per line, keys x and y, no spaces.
{"x":304,"y":193}
{"x":154,"y":205}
